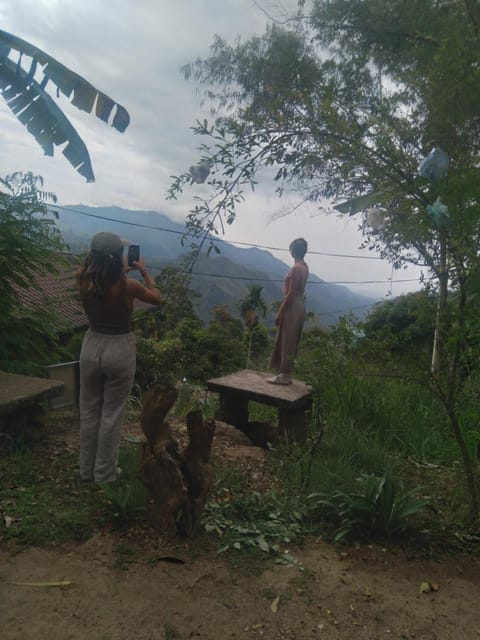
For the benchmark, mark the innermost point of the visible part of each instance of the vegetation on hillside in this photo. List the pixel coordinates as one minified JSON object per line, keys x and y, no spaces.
{"x":345,"y":104}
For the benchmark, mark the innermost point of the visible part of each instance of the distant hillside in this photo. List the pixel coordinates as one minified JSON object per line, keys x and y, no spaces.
{"x":219,"y":278}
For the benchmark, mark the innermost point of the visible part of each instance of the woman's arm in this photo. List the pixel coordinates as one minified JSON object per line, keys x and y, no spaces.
{"x":146,"y":292}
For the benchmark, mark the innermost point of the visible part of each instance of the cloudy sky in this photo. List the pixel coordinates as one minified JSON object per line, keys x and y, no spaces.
{"x":132,"y":51}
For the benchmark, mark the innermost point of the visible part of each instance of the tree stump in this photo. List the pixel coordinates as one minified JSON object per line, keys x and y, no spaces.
{"x":178,"y":483}
{"x":196,"y":468}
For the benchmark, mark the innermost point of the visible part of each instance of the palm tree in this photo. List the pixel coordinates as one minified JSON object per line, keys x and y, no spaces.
{"x":248,"y":306}
{"x":34,"y":107}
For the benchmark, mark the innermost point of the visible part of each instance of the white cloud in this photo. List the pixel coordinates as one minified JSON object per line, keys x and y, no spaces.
{"x":133,"y":52}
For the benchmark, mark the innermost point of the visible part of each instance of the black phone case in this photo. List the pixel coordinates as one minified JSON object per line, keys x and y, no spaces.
{"x":133,"y":254}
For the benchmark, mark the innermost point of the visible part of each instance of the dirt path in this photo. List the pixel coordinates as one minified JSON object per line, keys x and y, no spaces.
{"x":364,"y":593}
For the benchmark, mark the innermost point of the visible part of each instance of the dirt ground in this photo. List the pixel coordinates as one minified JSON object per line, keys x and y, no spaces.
{"x":361,"y":592}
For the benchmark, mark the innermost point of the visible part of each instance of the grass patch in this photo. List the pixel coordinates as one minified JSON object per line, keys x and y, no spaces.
{"x":126,"y":498}
{"x":262,"y":413}
{"x":47,"y":503}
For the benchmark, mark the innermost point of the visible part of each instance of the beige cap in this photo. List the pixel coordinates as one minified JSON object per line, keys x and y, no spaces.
{"x":106,"y":242}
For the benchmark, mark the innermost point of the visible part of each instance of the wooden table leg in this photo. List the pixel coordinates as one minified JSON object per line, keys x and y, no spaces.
{"x":293,"y":423}
{"x":234,"y":410}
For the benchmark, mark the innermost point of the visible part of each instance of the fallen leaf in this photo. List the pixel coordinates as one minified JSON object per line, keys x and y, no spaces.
{"x":59,"y":583}
{"x":274,"y":605}
{"x":428,"y":587}
{"x":170,"y":559}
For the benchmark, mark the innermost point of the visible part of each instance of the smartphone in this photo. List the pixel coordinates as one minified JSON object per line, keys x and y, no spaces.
{"x":133,"y":254}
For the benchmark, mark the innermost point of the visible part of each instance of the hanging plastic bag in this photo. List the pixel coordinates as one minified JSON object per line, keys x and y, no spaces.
{"x":438,"y":213}
{"x":199,"y":172}
{"x":435,"y":165}
{"x":375,"y":218}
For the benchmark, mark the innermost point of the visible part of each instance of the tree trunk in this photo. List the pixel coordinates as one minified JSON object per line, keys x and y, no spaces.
{"x":438,"y":340}
{"x":178,"y":483}
{"x":451,"y":402}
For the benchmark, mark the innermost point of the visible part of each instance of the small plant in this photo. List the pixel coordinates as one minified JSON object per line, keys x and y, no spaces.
{"x":377,"y":508}
{"x":190,"y":397}
{"x":125,"y":555}
{"x":170,"y":632}
{"x":255,"y":522}
{"x":125,"y":500}
{"x":126,"y":497}
{"x":135,"y":400}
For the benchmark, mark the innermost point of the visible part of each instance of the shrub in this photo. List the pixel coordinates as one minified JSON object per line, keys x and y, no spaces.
{"x":378,"y":508}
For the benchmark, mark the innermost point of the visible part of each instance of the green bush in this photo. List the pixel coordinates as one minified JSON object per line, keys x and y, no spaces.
{"x":30,"y":246}
{"x":379,"y":507}
{"x":191,"y":352}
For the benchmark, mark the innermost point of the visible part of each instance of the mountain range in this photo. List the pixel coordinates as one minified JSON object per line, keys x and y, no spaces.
{"x":221,"y":276}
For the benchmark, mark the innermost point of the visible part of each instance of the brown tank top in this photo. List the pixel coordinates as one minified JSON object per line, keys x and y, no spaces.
{"x":112,"y":315}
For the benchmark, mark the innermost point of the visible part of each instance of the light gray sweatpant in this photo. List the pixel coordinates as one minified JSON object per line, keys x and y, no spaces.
{"x":107,"y":369}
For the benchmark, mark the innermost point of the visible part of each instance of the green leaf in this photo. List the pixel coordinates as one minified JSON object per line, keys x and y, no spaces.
{"x":262,"y":544}
{"x":33,"y":106}
{"x":44,"y":119}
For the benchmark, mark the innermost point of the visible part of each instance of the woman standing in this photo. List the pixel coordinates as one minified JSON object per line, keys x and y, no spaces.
{"x":108,"y":354}
{"x":290,"y":316}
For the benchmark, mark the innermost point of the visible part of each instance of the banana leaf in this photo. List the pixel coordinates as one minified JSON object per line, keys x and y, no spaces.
{"x":34,"y":107}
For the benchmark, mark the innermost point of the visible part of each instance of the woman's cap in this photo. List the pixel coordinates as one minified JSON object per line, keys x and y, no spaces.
{"x":106,"y":242}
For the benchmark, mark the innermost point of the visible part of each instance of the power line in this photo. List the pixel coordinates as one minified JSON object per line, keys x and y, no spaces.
{"x":232,"y":277}
{"x":181,"y":233}
{"x":132,"y":224}
{"x":214,"y":275}
{"x":323,"y":313}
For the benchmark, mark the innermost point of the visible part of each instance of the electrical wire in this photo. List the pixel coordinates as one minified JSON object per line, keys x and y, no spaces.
{"x":232,"y":277}
{"x":181,"y":233}
{"x":309,"y":282}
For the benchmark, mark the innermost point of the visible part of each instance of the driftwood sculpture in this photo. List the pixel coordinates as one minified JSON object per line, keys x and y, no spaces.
{"x":178,"y":483}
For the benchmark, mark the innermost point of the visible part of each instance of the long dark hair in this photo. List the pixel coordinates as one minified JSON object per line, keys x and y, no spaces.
{"x":99,"y":272}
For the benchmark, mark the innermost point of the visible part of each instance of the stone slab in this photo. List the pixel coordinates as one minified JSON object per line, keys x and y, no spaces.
{"x":253,"y":385}
{"x":18,"y":392}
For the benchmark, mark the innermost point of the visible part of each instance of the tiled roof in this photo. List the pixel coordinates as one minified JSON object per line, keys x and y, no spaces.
{"x":58,"y":292}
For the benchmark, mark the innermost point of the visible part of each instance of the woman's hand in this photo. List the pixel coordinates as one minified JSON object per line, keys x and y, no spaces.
{"x":137,"y":265}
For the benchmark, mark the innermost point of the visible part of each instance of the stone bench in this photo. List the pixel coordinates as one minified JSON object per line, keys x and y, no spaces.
{"x":21,"y":399}
{"x":294,"y":401}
